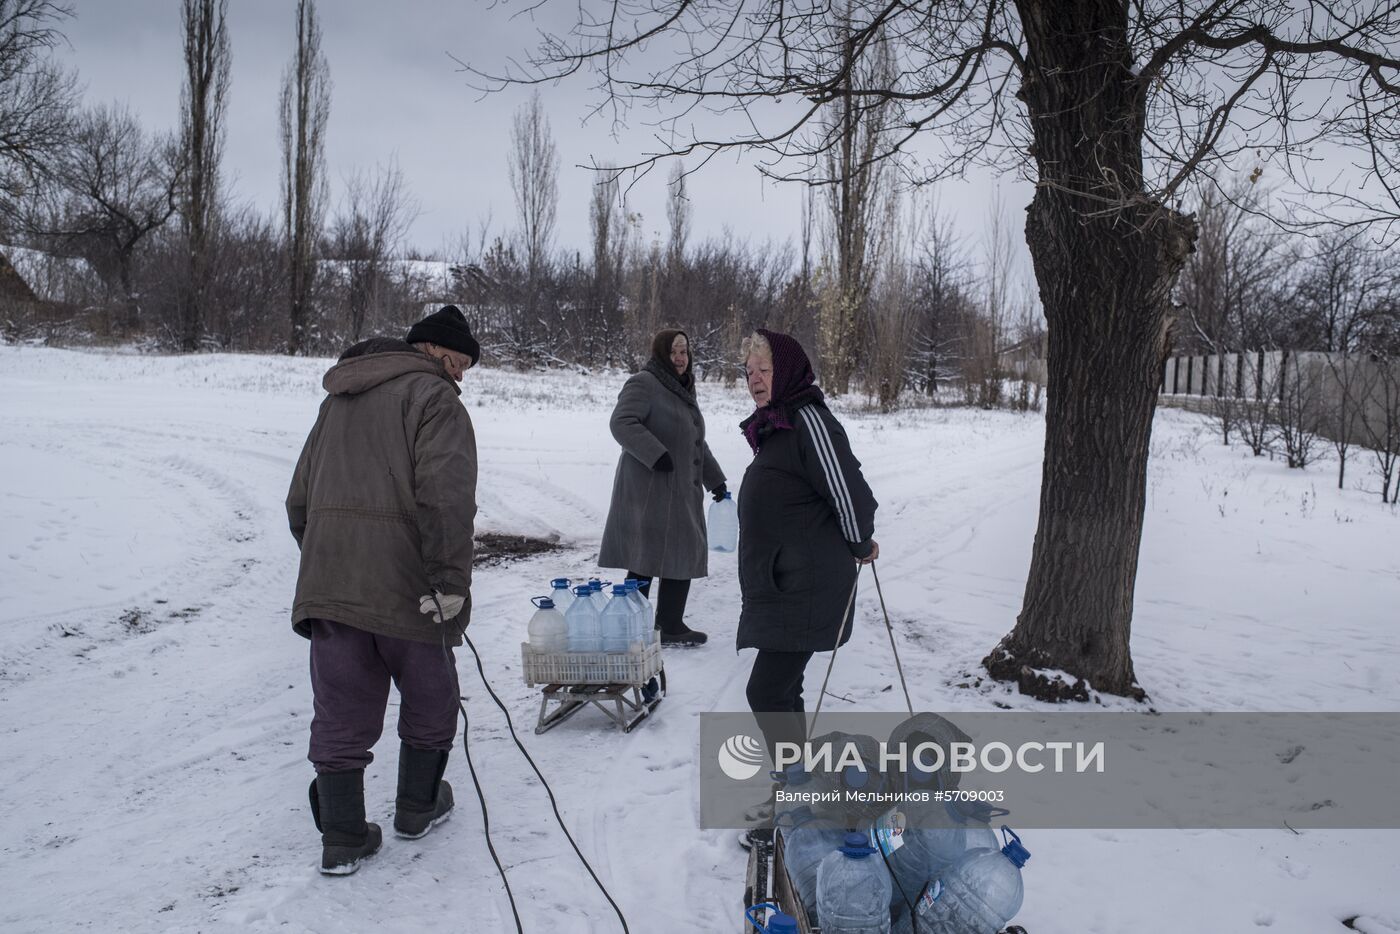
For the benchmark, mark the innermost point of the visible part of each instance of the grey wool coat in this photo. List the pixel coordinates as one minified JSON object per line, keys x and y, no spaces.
{"x":656,"y":521}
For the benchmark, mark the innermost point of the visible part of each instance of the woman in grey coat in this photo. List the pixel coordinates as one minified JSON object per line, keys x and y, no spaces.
{"x":656,"y":522}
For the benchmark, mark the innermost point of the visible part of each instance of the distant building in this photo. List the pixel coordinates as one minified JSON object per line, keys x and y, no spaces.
{"x":40,"y":287}
{"x":1024,"y":359}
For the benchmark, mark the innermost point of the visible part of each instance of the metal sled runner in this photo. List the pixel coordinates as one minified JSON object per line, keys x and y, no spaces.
{"x":613,"y":682}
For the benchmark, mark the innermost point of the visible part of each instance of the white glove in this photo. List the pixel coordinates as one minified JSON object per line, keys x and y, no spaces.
{"x":451,"y":605}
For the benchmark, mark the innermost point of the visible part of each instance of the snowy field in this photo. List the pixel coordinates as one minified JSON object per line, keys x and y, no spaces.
{"x":154,"y":701}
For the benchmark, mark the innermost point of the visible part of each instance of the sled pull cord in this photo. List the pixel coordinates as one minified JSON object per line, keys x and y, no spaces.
{"x":554,"y":805}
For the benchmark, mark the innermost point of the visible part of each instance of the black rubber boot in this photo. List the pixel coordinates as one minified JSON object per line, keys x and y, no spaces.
{"x":338,"y":808}
{"x":685,"y":637}
{"x":424,"y":799}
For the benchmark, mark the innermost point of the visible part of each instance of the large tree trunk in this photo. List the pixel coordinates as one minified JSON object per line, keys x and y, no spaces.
{"x":1105,"y":258}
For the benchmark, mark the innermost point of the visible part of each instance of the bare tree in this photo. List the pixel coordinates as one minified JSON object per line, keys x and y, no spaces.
{"x":304,"y":111}
{"x":607,"y":221}
{"x":1026,"y":358}
{"x":1345,"y":287}
{"x":642,"y":313}
{"x":983,"y":373}
{"x":943,"y":298}
{"x":202,"y":102}
{"x":1113,"y":108}
{"x":1380,"y":423}
{"x":111,"y":187}
{"x":248,"y":281}
{"x":1256,"y":416}
{"x":36,"y":95}
{"x":369,"y":231}
{"x":1300,"y":409}
{"x":892,"y":318}
{"x":534,"y":178}
{"x":806,"y":224}
{"x":1351,"y":376}
{"x":678,"y":210}
{"x":856,"y":186}
{"x":1224,"y":291}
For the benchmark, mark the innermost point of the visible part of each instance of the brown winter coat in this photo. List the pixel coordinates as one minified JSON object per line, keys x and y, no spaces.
{"x":656,"y":521}
{"x":383,"y":500}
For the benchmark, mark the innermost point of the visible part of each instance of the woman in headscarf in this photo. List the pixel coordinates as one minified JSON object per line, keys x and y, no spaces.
{"x":656,"y":522}
{"x":806,"y":520}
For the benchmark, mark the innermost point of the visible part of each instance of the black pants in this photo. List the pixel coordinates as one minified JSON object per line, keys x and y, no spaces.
{"x":670,"y":602}
{"x":775,"y":696}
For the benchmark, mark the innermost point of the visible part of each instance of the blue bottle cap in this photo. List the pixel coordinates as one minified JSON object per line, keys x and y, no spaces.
{"x":728,"y":495}
{"x":595,"y":585}
{"x":582,"y":590}
{"x":794,"y":774}
{"x":620,"y":590}
{"x":779,"y":923}
{"x":854,"y":777}
{"x":857,"y":846}
{"x":544,"y":603}
{"x":1013,"y":849}
{"x":782,"y":924}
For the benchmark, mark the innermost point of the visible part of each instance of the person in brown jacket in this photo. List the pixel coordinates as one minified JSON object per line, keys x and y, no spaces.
{"x":382,"y":505}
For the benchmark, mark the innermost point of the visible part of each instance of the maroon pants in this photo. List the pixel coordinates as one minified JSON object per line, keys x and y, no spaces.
{"x":350,"y":674}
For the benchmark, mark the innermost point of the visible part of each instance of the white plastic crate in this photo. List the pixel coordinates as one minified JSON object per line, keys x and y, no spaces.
{"x":590,"y":667}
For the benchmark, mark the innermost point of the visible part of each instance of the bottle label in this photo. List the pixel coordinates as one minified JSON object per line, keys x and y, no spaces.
{"x":887,"y":833}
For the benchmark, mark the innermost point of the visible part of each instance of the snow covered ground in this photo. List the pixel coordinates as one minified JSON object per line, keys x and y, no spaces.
{"x":154,"y":701}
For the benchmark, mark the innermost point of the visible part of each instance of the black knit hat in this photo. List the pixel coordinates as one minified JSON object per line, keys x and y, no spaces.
{"x":446,"y":327}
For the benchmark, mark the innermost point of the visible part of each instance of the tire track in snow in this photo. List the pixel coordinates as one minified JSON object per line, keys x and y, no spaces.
{"x":185,"y":486}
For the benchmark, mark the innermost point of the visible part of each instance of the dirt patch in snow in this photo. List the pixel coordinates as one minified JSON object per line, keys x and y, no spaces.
{"x":495,"y":548}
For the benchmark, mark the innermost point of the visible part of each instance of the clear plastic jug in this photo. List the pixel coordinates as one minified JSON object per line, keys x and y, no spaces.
{"x":723,"y":524}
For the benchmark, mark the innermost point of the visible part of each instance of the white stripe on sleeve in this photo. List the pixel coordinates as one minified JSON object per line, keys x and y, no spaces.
{"x":831,"y":467}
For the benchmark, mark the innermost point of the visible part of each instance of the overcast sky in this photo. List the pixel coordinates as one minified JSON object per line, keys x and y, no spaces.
{"x":398,"y":94}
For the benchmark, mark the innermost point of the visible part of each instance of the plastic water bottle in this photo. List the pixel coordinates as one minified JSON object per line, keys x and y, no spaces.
{"x":638,"y":616}
{"x":724,"y":524}
{"x":853,"y":890}
{"x":561,"y":593}
{"x":548,"y":631}
{"x":647,"y":621}
{"x":904,"y":850}
{"x":600,"y":599}
{"x":584,"y":624}
{"x":920,"y":860}
{"x":978,"y":895}
{"x":617,"y":621}
{"x":807,"y":840}
{"x":779,"y":923}
{"x":927,"y":852}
